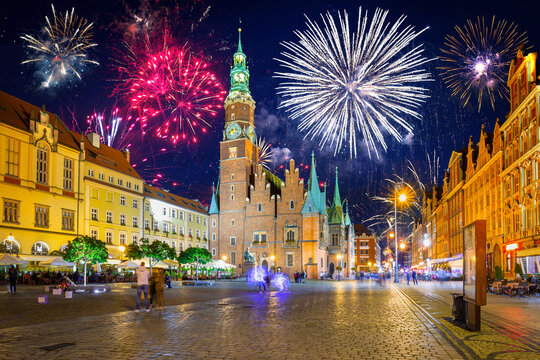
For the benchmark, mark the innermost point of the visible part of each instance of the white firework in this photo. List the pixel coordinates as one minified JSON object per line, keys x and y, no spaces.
{"x":341,"y":83}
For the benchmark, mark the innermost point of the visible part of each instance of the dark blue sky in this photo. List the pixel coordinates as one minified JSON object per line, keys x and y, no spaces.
{"x":446,"y":125}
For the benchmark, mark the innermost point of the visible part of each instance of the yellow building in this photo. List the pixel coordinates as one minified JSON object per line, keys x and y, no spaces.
{"x":113,"y":195}
{"x":39,"y":172}
{"x":179,"y":222}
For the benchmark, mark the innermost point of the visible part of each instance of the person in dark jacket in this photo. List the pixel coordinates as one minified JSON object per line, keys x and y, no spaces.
{"x":12,"y":274}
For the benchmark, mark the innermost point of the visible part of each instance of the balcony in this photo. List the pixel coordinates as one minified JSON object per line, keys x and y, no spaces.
{"x":259,"y":243}
{"x":290,"y":244}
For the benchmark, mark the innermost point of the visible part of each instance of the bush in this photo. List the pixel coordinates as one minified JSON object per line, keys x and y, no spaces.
{"x":499,"y":273}
{"x":518,"y":270}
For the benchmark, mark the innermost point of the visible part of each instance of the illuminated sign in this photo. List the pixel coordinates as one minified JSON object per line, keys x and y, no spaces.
{"x":511,"y":247}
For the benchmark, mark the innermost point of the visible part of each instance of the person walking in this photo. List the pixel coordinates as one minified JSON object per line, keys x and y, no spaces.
{"x":414,"y":279}
{"x":12,"y":275}
{"x":142,"y":286}
{"x":408,"y":276}
{"x":304,"y":275}
{"x":159,"y":287}
{"x":152,"y":288}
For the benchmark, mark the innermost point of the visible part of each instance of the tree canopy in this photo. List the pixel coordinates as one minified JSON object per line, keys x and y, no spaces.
{"x":194,"y":255}
{"x":86,"y":249}
{"x":155,"y":251}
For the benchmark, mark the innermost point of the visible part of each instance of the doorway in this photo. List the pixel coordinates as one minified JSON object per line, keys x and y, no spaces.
{"x":265,"y":264}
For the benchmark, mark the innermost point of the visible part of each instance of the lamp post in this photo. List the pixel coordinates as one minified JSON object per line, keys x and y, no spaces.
{"x":272,"y":258}
{"x":402,"y":198}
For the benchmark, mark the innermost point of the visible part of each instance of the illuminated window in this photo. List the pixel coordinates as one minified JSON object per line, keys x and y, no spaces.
{"x":41,"y":216}
{"x":94,"y":214}
{"x":42,"y":158}
{"x":12,"y":158}
{"x":40,"y":248}
{"x":11,"y":211}
{"x":233,"y":152}
{"x":67,"y":219}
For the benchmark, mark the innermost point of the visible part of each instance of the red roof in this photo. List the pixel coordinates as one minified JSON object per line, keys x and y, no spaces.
{"x":16,"y":112}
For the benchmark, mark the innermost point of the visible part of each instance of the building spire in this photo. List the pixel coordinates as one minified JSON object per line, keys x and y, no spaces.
{"x":337,"y":197}
{"x":240,"y":38}
{"x":214,"y":204}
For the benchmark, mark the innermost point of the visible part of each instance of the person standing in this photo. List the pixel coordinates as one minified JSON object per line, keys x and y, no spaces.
{"x":152,"y":287}
{"x":408,"y":276}
{"x":304,"y":275}
{"x":142,"y":286}
{"x":12,"y":274}
{"x":414,"y":279}
{"x":159,"y":287}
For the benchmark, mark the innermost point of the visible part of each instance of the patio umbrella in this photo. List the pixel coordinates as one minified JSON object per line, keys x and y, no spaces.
{"x":7,"y":259}
{"x":56,"y":261}
{"x":128,"y":264}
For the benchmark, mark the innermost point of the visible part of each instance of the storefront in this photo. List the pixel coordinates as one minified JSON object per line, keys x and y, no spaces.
{"x":529,"y":259}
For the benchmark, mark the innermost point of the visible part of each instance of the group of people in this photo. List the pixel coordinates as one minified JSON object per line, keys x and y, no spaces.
{"x":151,"y":286}
{"x":300,"y":276}
{"x":414,"y":277}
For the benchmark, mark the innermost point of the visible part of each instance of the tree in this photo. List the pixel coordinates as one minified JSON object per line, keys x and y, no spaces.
{"x":86,"y":249}
{"x":499,"y":273}
{"x":155,"y":252}
{"x":196,"y":255}
{"x":518,"y":270}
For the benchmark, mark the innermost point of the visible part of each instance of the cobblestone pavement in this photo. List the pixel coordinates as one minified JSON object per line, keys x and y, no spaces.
{"x":333,"y":320}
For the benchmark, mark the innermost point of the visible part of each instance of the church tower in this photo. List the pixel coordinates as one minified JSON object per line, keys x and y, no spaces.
{"x":238,"y":159}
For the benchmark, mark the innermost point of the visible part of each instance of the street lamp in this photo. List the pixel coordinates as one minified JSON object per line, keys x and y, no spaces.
{"x":122,"y":248}
{"x":340,"y":265}
{"x":402,"y":246}
{"x":402,"y":198}
{"x":224,"y":257}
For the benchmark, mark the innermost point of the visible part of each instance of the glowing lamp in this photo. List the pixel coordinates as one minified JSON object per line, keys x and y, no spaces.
{"x":369,"y":264}
{"x":272,"y":257}
{"x":122,"y":248}
{"x":224,"y":257}
{"x":402,"y":197}
{"x":402,"y":246}
{"x":511,"y":247}
{"x":11,"y":238}
{"x":391,"y":235}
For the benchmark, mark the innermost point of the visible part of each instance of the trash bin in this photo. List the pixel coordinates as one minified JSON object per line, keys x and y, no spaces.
{"x":458,"y":307}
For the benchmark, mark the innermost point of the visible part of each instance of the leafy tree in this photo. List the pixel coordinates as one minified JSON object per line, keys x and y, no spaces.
{"x":155,"y":252}
{"x":60,"y":253}
{"x":195,"y":255}
{"x":86,"y":249}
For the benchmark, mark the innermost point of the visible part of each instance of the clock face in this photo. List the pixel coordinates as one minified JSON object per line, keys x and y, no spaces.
{"x":251,"y":133}
{"x":239,"y":77}
{"x":233,"y":131}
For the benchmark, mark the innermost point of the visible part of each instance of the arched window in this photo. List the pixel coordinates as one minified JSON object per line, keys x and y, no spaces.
{"x":232,"y":196}
{"x":259,"y":207}
{"x":290,"y":235}
{"x":40,"y":248}
{"x":10,"y":247}
{"x":233,"y":116}
{"x":291,"y":204}
{"x":213,"y":222}
{"x":42,"y":163}
{"x":213,"y":251}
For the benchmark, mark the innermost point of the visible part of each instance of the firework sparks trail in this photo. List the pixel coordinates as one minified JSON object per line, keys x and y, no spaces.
{"x":114,"y":129}
{"x":265,"y":152}
{"x":342,"y":82}
{"x":475,"y":59}
{"x":61,"y":51}
{"x":172,"y":93}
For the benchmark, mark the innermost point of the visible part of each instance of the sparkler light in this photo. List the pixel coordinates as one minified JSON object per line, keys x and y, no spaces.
{"x":60,"y":52}
{"x":476,"y":58}
{"x":265,"y":152}
{"x":171,"y":91}
{"x":341,"y":82}
{"x":280,"y":282}
{"x":256,"y":275}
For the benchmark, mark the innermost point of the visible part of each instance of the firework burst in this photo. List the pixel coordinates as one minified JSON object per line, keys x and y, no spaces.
{"x":265,"y":152}
{"x":114,"y":129}
{"x":343,"y":82}
{"x":172,"y":92}
{"x":476,"y":58}
{"x":60,"y":53}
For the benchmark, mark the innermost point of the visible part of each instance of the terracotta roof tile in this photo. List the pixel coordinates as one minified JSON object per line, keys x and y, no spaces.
{"x":16,"y":112}
{"x":159,"y":194}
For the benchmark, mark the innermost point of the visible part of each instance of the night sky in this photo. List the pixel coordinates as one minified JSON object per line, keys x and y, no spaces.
{"x":446,"y":125}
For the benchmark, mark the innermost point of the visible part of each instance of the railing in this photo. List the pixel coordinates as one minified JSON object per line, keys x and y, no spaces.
{"x":290,"y":244}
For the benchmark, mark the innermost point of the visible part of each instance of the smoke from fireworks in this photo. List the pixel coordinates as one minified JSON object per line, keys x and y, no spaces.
{"x":476,"y":58}
{"x":60,"y":52}
{"x":170,"y":91}
{"x":344,"y":82}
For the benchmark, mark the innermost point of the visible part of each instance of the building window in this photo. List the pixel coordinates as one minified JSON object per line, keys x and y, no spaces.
{"x":232,"y":196}
{"x":173,"y":213}
{"x":110,"y":197}
{"x":291,"y":205}
{"x":197,"y":233}
{"x":40,"y":248}
{"x":109,"y":216}
{"x":111,"y":179}
{"x":42,"y":154}
{"x":101,"y":177}
{"x":290,"y":260}
{"x":123,"y":200}
{"x":190,"y":217}
{"x":197,"y":220}
{"x":122,"y":219}
{"x":233,"y":152}
{"x":136,"y":187}
{"x":290,"y":235}
{"x":108,"y":237}
{"x":147,"y":207}
{"x":94,"y":214}
{"x":233,"y":241}
{"x":134,"y":238}
{"x":135,"y":221}
{"x":135,"y":204}
{"x":128,"y":184}
{"x":213,"y":236}
{"x":164,"y":211}
{"x":181,"y":230}
{"x":204,"y":235}
{"x":232,"y":222}
{"x":259,"y":207}
{"x":122,"y":239}
{"x":232,"y":187}
{"x":42,"y":216}
{"x":156,"y":226}
{"x":120,"y":182}
{"x":68,"y":174}
{"x":204,"y":221}
{"x":94,"y":233}
{"x":147,"y":224}
{"x":213,"y":222}
{"x":90,"y":172}
{"x":11,"y":211}
{"x":190,"y":232}
{"x":232,"y":177}
{"x":67,"y":219}
{"x":166,"y":227}
{"x":173,"y":245}
{"x":213,"y":251}
{"x":181,"y":214}
{"x":233,"y":258}
{"x":12,"y":158}
{"x":180,"y":246}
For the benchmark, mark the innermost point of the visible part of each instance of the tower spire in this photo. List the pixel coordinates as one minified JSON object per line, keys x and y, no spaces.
{"x":337,"y":197}
{"x":240,"y":38}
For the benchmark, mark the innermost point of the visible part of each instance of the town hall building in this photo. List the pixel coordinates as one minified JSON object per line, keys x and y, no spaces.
{"x":283,"y":225}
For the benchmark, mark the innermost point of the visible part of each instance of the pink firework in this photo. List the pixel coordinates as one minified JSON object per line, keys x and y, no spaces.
{"x":173,"y":94}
